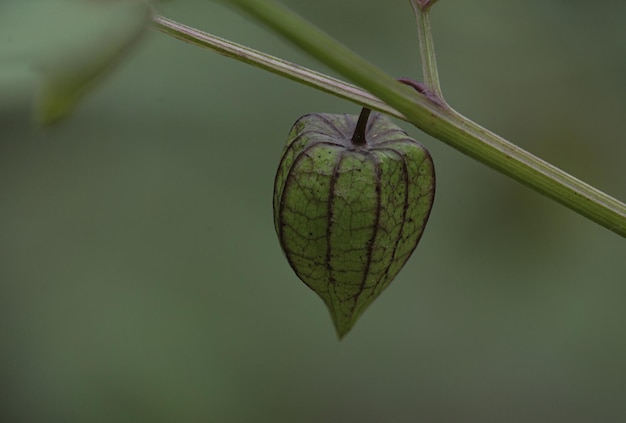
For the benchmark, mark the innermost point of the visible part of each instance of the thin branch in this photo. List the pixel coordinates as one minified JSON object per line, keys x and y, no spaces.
{"x":273,"y":64}
{"x":427,"y":48}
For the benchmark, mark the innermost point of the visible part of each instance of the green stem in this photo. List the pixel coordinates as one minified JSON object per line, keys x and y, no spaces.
{"x":432,"y":117}
{"x":272,"y":64}
{"x":427,"y":48}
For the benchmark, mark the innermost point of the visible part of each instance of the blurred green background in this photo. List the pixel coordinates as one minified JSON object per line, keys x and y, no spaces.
{"x":141,"y":279}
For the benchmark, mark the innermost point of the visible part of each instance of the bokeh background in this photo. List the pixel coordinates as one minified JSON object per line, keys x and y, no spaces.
{"x":141,"y":279}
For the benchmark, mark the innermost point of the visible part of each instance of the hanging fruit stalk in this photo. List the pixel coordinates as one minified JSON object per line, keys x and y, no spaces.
{"x":352,"y":195}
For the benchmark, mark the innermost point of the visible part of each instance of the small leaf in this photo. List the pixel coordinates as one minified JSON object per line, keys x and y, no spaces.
{"x":349,"y":214}
{"x":69,"y":44}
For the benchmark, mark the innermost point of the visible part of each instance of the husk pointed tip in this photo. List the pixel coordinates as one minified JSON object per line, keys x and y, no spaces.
{"x":342,"y":332}
{"x":342,"y":325}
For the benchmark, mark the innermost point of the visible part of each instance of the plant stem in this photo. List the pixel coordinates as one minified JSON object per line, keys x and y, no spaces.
{"x":432,"y":117}
{"x":358,"y":137}
{"x":427,"y":48}
{"x":273,"y":64}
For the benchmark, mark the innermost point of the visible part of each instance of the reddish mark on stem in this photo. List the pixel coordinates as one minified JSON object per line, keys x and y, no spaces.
{"x":424,"y":4}
{"x":422,"y":89}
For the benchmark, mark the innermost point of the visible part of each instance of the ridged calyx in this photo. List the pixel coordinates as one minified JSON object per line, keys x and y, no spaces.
{"x":350,"y":204}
